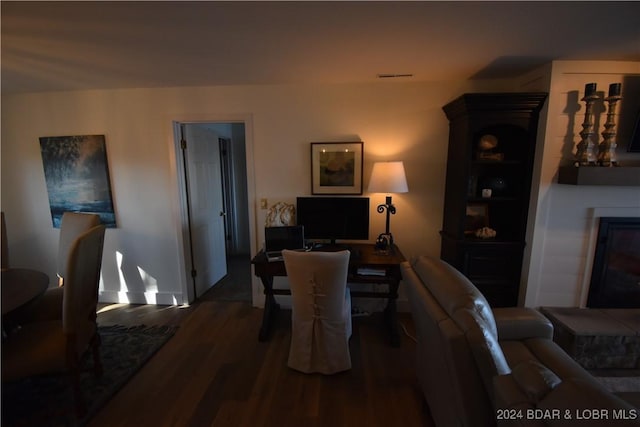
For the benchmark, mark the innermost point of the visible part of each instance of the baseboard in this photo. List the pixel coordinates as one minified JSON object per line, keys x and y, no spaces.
{"x":157,"y":298}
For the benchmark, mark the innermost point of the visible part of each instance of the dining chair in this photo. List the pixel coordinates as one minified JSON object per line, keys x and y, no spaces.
{"x":321,"y":311}
{"x":57,"y":345}
{"x":72,"y":225}
{"x":49,"y":305}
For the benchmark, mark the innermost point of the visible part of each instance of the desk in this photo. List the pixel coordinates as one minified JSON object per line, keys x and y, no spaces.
{"x":362,"y":256}
{"x":20,"y":286}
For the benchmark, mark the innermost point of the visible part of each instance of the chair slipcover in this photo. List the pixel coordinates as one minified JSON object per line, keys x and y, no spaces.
{"x":57,"y":345}
{"x":49,"y":306}
{"x":72,"y":225}
{"x":321,"y":311}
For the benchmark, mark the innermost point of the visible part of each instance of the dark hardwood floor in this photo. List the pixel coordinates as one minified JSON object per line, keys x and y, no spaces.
{"x":215,"y":372}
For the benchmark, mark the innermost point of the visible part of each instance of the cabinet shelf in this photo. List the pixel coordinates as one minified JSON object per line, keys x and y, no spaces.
{"x":492,"y":199}
{"x":473,"y":240}
{"x":492,"y":241}
{"x":493,"y":265}
{"x":496,"y":162}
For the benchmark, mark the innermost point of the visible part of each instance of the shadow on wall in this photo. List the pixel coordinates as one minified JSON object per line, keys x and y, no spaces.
{"x":571,"y":139}
{"x":125,"y":279}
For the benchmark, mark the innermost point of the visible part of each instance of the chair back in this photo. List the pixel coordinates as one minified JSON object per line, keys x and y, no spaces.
{"x":72,"y":225}
{"x":321,"y":311}
{"x":81,"y":283}
{"x":318,"y":282}
{"x":5,"y":244}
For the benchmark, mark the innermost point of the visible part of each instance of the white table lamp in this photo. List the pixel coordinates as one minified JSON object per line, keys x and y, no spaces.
{"x":388,"y":177}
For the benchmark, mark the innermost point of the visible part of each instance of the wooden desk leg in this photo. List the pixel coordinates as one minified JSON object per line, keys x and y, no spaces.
{"x":271,"y":307}
{"x":391,"y":314}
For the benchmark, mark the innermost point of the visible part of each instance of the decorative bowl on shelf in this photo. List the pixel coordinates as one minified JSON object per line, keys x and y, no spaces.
{"x":487,"y":148}
{"x":487,"y":142}
{"x":485,"y":233}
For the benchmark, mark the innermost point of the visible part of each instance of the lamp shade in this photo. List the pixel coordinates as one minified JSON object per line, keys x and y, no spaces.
{"x":388,"y":177}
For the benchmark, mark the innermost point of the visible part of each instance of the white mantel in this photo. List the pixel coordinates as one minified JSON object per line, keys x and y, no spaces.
{"x":559,"y":251}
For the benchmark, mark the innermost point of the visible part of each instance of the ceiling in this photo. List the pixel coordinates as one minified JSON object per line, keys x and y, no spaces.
{"x":49,"y":46}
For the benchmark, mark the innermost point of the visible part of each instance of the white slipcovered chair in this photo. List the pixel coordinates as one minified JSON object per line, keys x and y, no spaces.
{"x":49,"y":305}
{"x":58,"y":344}
{"x":72,"y":225}
{"x":321,"y":311}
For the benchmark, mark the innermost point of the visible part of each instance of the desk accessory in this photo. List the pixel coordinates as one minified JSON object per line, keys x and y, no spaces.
{"x":387,"y":177}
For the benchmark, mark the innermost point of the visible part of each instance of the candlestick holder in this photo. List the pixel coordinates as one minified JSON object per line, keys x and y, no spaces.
{"x":607,"y":148}
{"x":586,"y":148}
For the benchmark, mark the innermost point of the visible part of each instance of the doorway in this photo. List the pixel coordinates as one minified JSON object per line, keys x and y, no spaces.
{"x":213,"y":183}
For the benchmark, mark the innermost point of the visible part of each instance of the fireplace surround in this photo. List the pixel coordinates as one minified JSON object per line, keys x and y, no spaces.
{"x":615,"y":275}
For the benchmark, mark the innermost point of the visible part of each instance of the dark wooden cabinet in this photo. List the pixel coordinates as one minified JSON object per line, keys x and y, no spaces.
{"x":492,"y":139}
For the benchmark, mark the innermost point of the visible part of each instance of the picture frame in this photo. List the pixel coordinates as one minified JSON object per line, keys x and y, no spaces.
{"x":634,"y":144}
{"x":336,"y":167}
{"x":76,"y":172}
{"x":477,"y":216}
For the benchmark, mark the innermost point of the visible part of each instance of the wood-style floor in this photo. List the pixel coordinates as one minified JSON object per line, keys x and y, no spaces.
{"x":214,"y":372}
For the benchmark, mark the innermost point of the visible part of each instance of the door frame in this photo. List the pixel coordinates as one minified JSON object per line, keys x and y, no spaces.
{"x":180,"y":198}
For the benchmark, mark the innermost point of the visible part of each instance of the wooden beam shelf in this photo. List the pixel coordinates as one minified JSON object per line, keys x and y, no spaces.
{"x":598,"y":175}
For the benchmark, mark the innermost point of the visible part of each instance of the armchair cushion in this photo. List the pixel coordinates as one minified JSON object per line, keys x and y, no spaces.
{"x":515,"y":323}
{"x":534,"y":379}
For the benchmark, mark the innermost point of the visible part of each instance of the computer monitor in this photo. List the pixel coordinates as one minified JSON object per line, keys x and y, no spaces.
{"x":334,"y":218}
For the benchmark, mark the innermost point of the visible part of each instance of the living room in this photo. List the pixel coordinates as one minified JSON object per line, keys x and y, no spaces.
{"x":399,"y":120}
{"x":396,"y":119}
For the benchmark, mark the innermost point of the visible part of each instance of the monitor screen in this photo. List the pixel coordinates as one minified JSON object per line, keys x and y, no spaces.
{"x":334,"y":218}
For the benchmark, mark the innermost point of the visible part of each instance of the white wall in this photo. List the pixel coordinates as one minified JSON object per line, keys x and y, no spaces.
{"x":397,"y":121}
{"x":562,"y":216}
{"x":142,"y":257}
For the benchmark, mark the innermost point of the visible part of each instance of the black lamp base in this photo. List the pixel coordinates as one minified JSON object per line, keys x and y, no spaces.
{"x":384,"y":242}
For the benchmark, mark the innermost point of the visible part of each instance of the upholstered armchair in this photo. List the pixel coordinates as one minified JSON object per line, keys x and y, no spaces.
{"x":56,"y":345}
{"x":321,"y":311}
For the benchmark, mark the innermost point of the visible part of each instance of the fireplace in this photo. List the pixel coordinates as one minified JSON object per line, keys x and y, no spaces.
{"x":615,"y":276}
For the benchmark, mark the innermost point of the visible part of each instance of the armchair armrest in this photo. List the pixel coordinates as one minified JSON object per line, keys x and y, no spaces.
{"x":531,"y":386}
{"x":515,"y":323}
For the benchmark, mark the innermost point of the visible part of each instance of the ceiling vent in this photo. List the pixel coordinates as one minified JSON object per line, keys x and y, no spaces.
{"x":394,"y":76}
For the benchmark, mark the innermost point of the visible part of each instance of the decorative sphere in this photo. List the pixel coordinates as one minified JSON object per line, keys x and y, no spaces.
{"x":487,"y":142}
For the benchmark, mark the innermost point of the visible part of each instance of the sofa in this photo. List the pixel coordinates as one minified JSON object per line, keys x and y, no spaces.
{"x":478,"y":366}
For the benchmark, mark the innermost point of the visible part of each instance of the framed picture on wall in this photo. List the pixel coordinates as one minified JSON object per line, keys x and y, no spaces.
{"x":634,"y":144}
{"x":477,"y":216}
{"x":77,"y":176}
{"x":336,"y":167}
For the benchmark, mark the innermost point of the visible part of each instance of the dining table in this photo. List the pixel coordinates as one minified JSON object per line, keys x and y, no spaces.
{"x":21,"y":286}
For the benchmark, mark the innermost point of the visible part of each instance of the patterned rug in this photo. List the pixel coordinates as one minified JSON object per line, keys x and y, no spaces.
{"x":620,"y":384}
{"x":48,"y":400}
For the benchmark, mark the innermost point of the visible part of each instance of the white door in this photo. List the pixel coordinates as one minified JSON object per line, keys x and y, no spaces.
{"x":206,"y":207}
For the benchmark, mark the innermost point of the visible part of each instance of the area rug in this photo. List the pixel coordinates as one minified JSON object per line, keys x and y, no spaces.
{"x":620,"y":384}
{"x":48,"y":400}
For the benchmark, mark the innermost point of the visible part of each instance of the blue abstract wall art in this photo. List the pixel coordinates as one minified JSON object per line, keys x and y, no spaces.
{"x":77,"y":176}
